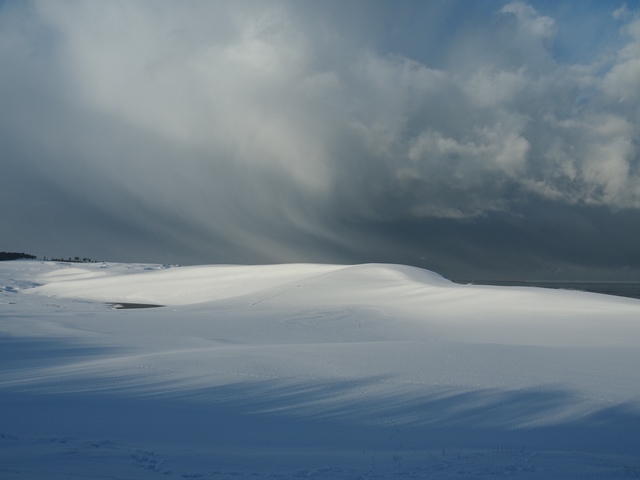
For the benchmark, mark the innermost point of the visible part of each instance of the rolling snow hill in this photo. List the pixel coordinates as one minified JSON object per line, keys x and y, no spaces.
{"x":313,"y":371}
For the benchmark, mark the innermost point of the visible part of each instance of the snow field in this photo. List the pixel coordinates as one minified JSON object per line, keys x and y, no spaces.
{"x":321,"y":371}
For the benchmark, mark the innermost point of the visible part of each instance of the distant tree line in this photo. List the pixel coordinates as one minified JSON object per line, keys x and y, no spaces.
{"x":71,"y":260}
{"x":18,"y":256}
{"x":15,"y":256}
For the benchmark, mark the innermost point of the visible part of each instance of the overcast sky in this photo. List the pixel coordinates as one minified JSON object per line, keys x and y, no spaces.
{"x":477,"y":139}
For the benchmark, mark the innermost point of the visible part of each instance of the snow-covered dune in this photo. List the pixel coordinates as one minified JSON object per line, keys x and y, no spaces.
{"x":197,"y":284}
{"x":515,"y":315}
{"x":321,"y":371}
{"x":174,"y":286}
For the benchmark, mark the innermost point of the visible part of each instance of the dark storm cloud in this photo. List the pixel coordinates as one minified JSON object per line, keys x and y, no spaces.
{"x":434,"y":132}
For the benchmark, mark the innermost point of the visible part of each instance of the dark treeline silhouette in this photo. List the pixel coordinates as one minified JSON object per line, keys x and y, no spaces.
{"x":19,"y":255}
{"x":15,"y":256}
{"x":71,"y":260}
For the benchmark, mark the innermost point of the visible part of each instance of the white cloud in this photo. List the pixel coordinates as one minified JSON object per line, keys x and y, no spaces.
{"x":530,"y":22}
{"x":622,"y":12}
{"x":592,"y":161}
{"x":496,"y":147}
{"x":622,"y":82}
{"x":167,"y":71}
{"x":493,"y":88}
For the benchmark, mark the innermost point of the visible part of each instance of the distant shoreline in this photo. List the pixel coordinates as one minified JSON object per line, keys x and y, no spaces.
{"x":629,"y":289}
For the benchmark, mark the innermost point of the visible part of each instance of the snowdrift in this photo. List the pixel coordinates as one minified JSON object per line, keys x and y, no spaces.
{"x":323,"y":371}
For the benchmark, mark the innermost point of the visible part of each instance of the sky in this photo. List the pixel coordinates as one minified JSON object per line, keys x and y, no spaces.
{"x":487,"y":139}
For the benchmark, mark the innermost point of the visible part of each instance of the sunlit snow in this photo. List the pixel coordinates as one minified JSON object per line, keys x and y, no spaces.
{"x":313,"y":371}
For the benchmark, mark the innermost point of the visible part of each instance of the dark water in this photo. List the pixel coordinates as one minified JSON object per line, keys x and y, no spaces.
{"x":621,"y":289}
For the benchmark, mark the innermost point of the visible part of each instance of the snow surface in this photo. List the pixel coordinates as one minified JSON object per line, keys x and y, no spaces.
{"x":310,"y":371}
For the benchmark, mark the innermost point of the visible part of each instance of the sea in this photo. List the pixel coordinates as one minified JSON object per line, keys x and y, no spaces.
{"x":621,"y":289}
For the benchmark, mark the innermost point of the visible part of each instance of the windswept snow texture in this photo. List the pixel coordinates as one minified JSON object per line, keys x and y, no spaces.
{"x":310,"y":371}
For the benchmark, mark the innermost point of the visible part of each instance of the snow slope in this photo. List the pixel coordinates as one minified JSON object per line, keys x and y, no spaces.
{"x":316,"y":371}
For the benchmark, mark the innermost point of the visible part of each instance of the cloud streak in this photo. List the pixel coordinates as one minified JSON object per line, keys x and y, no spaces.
{"x":272,"y":131}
